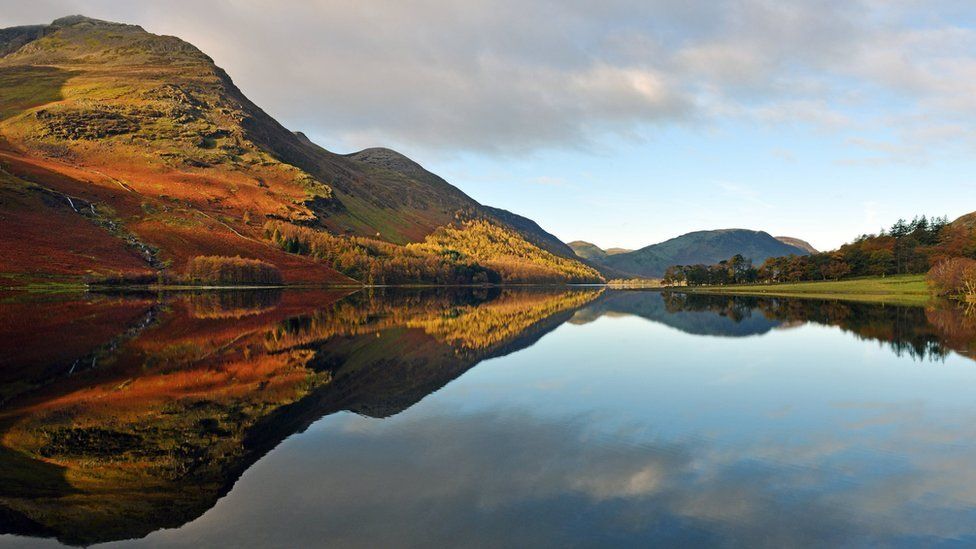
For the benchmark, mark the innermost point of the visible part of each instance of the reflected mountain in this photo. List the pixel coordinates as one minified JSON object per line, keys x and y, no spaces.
{"x":920,"y":332}
{"x":691,"y":313}
{"x":109,"y":436}
{"x":124,"y":414}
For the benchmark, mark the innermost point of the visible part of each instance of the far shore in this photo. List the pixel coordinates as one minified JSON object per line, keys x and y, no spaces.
{"x":895,"y":290}
{"x":62,"y":287}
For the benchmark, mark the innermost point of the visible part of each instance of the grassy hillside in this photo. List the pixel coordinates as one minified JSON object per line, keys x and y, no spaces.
{"x":147,"y":127}
{"x":701,"y":247}
{"x":902,"y":289}
{"x":587,"y":250}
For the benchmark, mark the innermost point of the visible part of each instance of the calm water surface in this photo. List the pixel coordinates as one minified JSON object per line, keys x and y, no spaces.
{"x":580,"y":417}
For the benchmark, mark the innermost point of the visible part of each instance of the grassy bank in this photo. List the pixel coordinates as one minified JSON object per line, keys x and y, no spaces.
{"x":900,"y":290}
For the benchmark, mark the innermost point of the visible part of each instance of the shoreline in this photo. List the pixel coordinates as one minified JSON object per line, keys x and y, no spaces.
{"x":895,"y":290}
{"x":67,"y":287}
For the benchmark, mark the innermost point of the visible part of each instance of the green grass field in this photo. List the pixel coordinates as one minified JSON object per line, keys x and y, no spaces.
{"x":899,"y":290}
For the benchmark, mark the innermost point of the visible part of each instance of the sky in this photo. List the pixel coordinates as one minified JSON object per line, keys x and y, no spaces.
{"x":619,"y":122}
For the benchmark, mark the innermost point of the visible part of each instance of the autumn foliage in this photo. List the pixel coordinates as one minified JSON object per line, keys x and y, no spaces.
{"x":374,"y":261}
{"x":505,"y":252}
{"x":954,"y":277}
{"x":231,"y":271}
{"x":475,"y":252}
{"x":912,"y":247}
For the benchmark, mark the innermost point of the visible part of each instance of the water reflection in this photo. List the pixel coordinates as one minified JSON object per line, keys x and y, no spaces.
{"x":120,"y":434}
{"x":123,"y":415}
{"x":922,"y":333}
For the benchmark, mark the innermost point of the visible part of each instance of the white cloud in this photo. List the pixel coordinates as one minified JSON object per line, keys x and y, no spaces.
{"x":506,"y":77}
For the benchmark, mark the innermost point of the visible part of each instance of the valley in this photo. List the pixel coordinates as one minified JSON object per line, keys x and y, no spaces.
{"x":483,"y":274}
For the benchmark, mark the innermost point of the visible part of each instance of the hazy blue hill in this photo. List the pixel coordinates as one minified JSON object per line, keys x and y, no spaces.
{"x":701,"y":247}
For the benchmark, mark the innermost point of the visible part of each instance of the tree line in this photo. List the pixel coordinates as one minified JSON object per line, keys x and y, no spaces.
{"x":231,"y":271}
{"x":919,"y":332}
{"x":735,"y":270}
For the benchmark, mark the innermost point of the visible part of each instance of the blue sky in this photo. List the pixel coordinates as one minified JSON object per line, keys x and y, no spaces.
{"x":787,"y":182}
{"x":620,"y":122}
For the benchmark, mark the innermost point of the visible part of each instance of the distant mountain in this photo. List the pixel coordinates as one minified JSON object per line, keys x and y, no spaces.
{"x":690,"y":313}
{"x":592,"y":252}
{"x":700,"y":247}
{"x":587,"y":250}
{"x":796,"y":242}
{"x":594,"y":256}
{"x":126,"y":155}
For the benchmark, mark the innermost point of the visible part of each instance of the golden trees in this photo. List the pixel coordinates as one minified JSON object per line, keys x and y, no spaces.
{"x":231,"y":271}
{"x":475,"y":252}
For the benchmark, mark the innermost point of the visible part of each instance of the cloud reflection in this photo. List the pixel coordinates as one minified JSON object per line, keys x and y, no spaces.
{"x":513,"y":479}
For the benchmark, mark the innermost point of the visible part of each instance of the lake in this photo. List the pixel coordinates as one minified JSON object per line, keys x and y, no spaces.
{"x":484,"y":418}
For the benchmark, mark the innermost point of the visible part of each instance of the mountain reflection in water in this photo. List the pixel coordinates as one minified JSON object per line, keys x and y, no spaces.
{"x":123,"y":415}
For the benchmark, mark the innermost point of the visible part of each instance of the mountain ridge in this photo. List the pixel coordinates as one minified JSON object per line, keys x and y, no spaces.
{"x":699,"y":247}
{"x":147,"y":129}
{"x":587,"y":250}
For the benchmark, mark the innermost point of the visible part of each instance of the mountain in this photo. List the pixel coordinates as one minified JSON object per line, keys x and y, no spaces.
{"x":531,"y":231}
{"x":797,"y":243}
{"x":13,"y":38}
{"x":690,"y":313}
{"x":700,"y":247}
{"x":591,"y":254}
{"x":127,"y":155}
{"x":587,"y":250}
